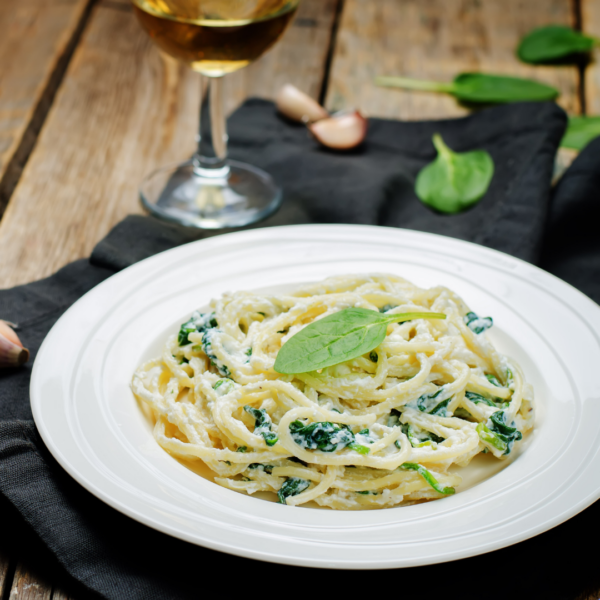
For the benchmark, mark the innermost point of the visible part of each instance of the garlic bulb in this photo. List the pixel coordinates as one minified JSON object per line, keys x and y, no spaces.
{"x":342,"y":131}
{"x":297,"y":106}
{"x":12,"y":353}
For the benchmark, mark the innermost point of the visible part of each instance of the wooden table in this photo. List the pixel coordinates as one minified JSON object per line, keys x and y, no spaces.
{"x":88,"y":106}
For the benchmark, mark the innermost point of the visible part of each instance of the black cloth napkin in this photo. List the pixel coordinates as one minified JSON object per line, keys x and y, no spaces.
{"x":96,"y":552}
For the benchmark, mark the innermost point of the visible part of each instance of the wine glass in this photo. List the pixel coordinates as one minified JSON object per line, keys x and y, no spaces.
{"x":214,"y":37}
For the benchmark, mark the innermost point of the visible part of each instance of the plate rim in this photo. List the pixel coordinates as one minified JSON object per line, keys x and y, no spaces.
{"x":247,"y":236}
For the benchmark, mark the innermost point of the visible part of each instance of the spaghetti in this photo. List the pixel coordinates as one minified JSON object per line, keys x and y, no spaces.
{"x":375,"y":431}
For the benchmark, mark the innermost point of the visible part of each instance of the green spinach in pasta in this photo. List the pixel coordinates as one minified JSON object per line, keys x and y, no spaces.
{"x":325,"y":436}
{"x":291,"y":487}
{"x":428,"y":477}
{"x":477,"y":324}
{"x":198,"y":322}
{"x":214,"y":360}
{"x":262,"y":425}
{"x":498,"y":434}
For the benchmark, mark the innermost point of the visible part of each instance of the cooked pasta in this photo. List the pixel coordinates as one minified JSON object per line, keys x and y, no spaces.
{"x":374,"y":431}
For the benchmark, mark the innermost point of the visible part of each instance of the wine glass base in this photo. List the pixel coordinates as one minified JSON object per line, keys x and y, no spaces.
{"x":236,"y":195}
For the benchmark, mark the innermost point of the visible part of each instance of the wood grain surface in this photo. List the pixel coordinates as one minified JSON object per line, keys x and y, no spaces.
{"x":437,"y":39}
{"x":27,"y":586}
{"x":590,"y":19}
{"x":4,"y":573}
{"x":35,"y":45}
{"x":122,"y":111}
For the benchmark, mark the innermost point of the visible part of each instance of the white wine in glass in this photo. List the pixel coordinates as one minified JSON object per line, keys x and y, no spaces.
{"x":214,"y":37}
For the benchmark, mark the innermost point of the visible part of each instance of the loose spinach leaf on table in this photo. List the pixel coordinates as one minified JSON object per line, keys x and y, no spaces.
{"x":553,"y":42}
{"x":454,"y":181}
{"x":325,"y":436}
{"x":479,"y":88}
{"x":580,"y":132}
{"x":345,"y":335}
{"x":262,"y":425}
{"x":428,"y":477}
{"x":291,"y":487}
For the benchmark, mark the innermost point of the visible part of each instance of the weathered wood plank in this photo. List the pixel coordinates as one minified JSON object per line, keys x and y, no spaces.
{"x":121,"y":112}
{"x":37,"y":39}
{"x":58,"y":594}
{"x":27,"y":586}
{"x":4,"y":573}
{"x":437,"y":39}
{"x":590,"y":23}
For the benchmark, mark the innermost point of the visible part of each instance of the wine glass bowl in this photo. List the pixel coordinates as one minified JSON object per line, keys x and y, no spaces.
{"x":214,"y":38}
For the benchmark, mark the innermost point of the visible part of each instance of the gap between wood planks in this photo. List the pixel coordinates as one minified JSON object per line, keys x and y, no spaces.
{"x":19,"y":159}
{"x":330,"y":51}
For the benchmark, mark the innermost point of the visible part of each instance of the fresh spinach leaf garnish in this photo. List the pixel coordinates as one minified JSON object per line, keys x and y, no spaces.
{"x":291,"y":487}
{"x":325,"y":436}
{"x":454,"y":181}
{"x":477,"y":324}
{"x":428,"y":477}
{"x":553,"y":42}
{"x":342,"y":336}
{"x":262,"y":425}
{"x":498,"y":434}
{"x":479,"y":88}
{"x":581,"y":130}
{"x":199,"y":322}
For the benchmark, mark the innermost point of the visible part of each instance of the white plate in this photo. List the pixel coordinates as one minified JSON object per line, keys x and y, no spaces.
{"x":93,"y":426}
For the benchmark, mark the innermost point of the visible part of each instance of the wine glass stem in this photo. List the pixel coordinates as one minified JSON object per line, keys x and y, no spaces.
{"x":210,"y":159}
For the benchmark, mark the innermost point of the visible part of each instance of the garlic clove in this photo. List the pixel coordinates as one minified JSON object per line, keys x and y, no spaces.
{"x":342,"y":131}
{"x":7,"y":331}
{"x":296,"y":105}
{"x":12,"y":355}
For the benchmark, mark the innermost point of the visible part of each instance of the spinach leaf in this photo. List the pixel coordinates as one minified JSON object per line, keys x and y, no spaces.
{"x":479,"y":87}
{"x":580,"y":132}
{"x":428,"y":477}
{"x":498,"y":434}
{"x":427,"y":403}
{"x":493,"y":380}
{"x":478,"y":398}
{"x":454,"y":181}
{"x":421,"y":438}
{"x":553,"y":42}
{"x":262,"y":425}
{"x":462,"y":413}
{"x":266,"y":468}
{"x":199,"y":322}
{"x":325,"y":436}
{"x":242,"y":449}
{"x":291,"y":487}
{"x":477,"y":324}
{"x":207,"y":349}
{"x":387,"y":307}
{"x":345,"y":335}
